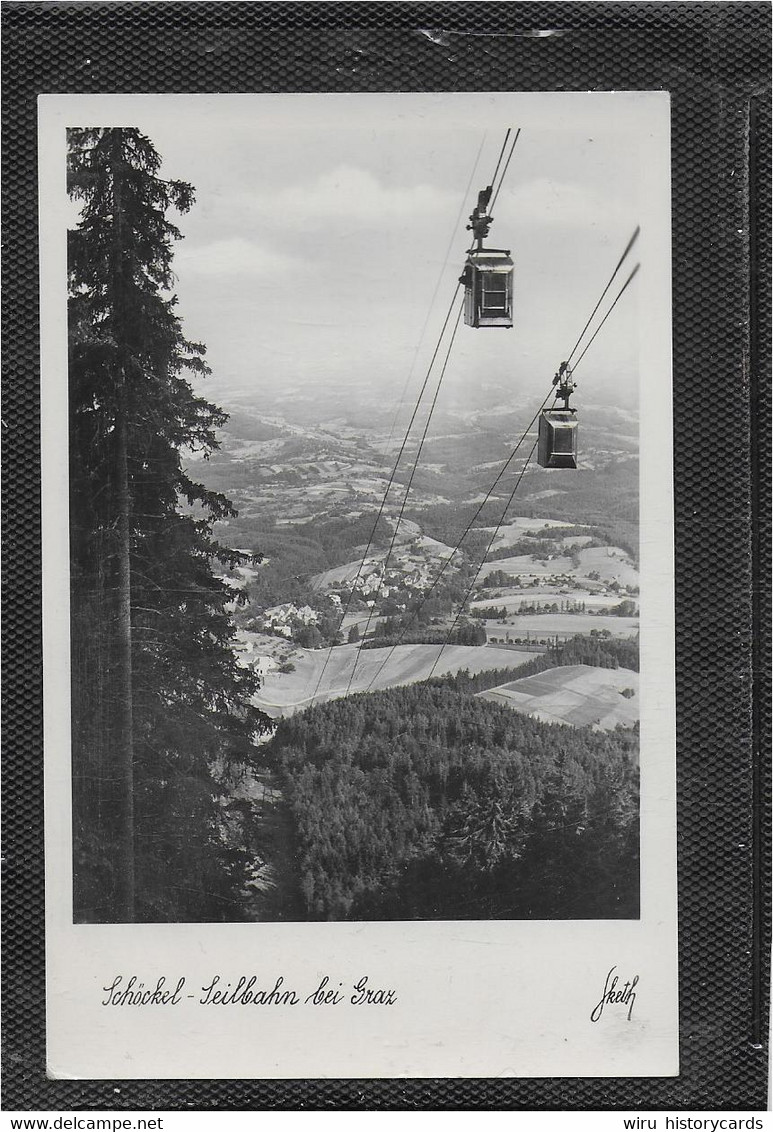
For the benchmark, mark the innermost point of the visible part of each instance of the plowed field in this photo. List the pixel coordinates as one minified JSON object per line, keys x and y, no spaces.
{"x":576,"y":694}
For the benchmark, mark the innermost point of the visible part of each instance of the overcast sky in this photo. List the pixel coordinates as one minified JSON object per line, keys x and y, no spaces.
{"x":324,"y":225}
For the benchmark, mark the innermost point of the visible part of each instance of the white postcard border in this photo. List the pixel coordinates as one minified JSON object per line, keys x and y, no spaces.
{"x":474,"y":999}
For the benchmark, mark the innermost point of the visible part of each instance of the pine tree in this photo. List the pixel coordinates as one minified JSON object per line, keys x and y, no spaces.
{"x":162,"y":724}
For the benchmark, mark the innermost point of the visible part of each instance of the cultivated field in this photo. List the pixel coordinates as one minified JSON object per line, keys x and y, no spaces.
{"x":285,"y":693}
{"x":525,"y":565}
{"x":576,"y":694}
{"x":611,"y":564}
{"x":360,"y":619}
{"x":520,"y":527}
{"x":562,"y":625}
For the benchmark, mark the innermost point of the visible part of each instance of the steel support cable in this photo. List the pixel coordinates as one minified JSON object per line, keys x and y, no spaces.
{"x":408,"y":430}
{"x":466,"y":597}
{"x":414,"y":467}
{"x":394,"y":536}
{"x":408,"y":486}
{"x":620,"y":263}
{"x":447,"y":255}
{"x":511,"y":457}
{"x":502,"y":471}
{"x":311,"y":573}
{"x":504,"y":171}
{"x":388,"y":487}
{"x":464,"y":601}
{"x":620,"y":294}
{"x":435,"y":292}
{"x":499,"y":159}
{"x":468,"y":528}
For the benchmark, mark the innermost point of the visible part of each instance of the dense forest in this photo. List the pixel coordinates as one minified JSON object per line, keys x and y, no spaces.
{"x":422,"y":802}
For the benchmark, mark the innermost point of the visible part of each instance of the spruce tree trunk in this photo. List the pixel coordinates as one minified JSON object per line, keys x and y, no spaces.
{"x":123,"y":723}
{"x":122,"y":676}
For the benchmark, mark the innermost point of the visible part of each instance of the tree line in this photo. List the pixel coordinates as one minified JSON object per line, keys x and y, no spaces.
{"x":598,"y":652}
{"x":389,"y":633}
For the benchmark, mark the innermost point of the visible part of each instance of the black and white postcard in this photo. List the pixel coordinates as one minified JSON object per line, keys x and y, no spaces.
{"x":358,"y":585}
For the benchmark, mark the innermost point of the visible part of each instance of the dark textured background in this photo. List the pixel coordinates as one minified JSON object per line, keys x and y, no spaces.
{"x":714,"y":59}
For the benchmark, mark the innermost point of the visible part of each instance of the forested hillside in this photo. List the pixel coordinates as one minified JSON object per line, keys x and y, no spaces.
{"x":421,"y":802}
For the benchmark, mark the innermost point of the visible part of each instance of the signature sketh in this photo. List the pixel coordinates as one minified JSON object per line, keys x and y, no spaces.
{"x":612,"y":996}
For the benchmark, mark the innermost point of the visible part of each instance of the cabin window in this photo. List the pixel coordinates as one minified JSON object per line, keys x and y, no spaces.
{"x":563,"y":440}
{"x":494,"y":297}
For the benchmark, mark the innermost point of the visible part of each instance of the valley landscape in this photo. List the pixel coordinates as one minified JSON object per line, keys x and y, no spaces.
{"x":485,"y":623}
{"x":563,"y":564}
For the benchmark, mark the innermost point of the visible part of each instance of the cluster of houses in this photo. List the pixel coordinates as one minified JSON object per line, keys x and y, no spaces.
{"x":247,"y":656}
{"x":282,"y":619}
{"x":372,"y":582}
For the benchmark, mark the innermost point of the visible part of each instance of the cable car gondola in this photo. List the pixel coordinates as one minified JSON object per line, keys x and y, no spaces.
{"x":488,"y":288}
{"x":557,"y":446}
{"x":557,"y":436}
{"x":487,"y":275}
